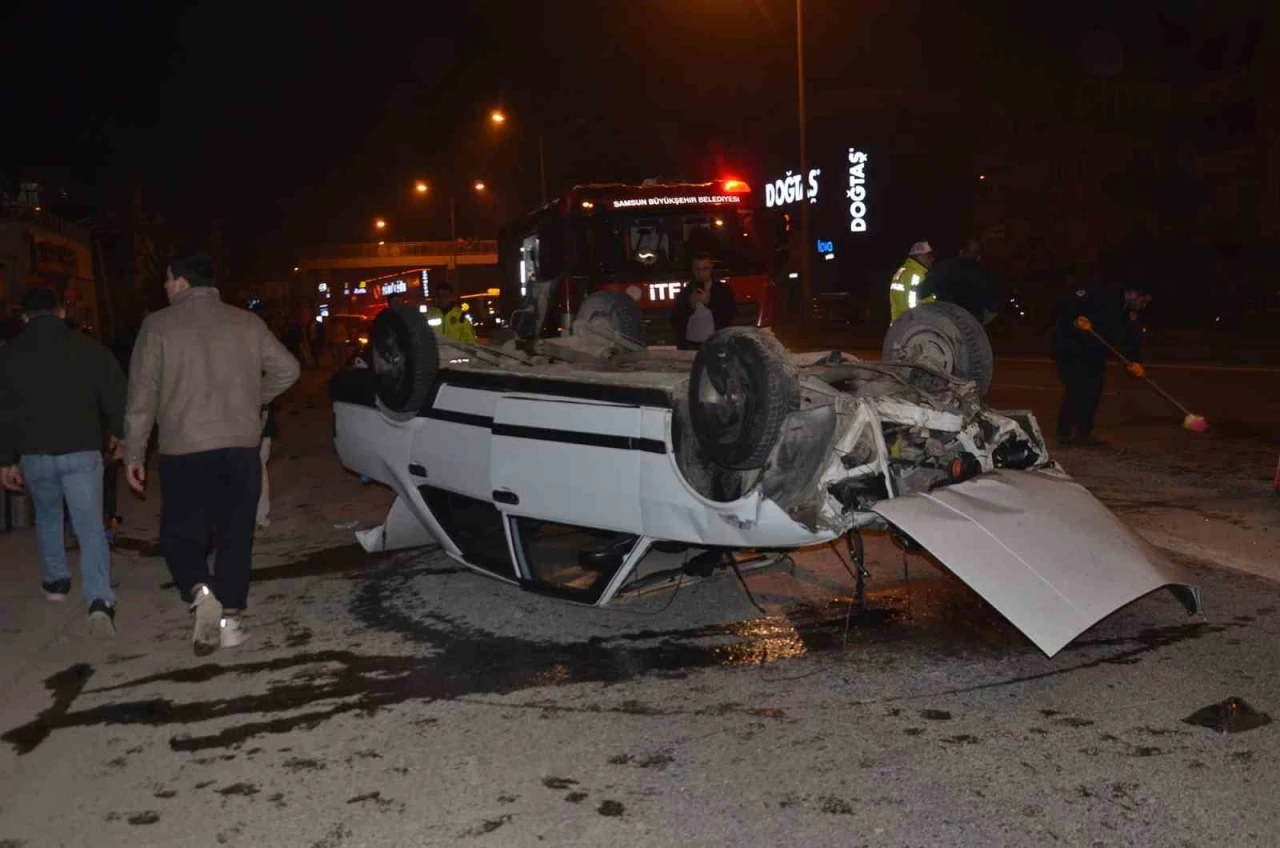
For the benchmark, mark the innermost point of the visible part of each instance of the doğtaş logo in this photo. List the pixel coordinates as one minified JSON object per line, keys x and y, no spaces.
{"x":857,"y":192}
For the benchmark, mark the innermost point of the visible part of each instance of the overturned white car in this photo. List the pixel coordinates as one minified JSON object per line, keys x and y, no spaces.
{"x":589,"y":466}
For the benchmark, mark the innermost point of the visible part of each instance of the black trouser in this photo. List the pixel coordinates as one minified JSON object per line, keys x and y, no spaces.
{"x":110,"y":469}
{"x":212,"y":490}
{"x":1082,"y":383}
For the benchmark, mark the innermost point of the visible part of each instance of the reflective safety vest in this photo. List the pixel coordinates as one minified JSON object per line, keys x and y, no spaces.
{"x":435,"y":319}
{"x":456,"y":325}
{"x":903,"y":290}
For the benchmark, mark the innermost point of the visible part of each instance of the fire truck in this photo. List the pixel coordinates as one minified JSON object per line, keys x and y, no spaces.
{"x":637,"y":239}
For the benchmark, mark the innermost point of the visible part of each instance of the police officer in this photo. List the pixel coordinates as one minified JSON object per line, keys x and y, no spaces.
{"x":904,"y":289}
{"x":449,"y":319}
{"x":1082,"y":359}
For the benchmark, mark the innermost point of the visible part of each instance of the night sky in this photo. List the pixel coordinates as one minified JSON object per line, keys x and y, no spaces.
{"x":295,"y":125}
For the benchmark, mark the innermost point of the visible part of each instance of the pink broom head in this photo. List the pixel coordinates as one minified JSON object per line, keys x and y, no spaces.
{"x":1195,"y":423}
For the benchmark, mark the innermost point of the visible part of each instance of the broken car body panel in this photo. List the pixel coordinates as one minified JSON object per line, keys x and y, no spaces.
{"x":1037,"y":547}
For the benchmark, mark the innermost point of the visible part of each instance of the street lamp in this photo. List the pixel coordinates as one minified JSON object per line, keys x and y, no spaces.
{"x":478,"y":186}
{"x":497,"y":117}
{"x":379,"y":224}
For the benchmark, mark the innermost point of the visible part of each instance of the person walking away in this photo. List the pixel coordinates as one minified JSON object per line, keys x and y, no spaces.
{"x":56,"y":388}
{"x":1081,"y":359}
{"x":904,"y":288}
{"x":203,"y":370}
{"x":269,"y":432}
{"x":455,"y":324}
{"x":963,"y":281}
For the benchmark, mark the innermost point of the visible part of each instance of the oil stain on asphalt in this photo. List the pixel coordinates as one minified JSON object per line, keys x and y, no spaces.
{"x":465,"y":661}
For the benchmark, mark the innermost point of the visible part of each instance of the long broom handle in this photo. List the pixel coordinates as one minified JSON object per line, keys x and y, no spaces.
{"x":1152,"y":383}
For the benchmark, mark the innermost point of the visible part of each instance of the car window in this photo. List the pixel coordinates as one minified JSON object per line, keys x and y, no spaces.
{"x":474,"y":526}
{"x":568,"y":560}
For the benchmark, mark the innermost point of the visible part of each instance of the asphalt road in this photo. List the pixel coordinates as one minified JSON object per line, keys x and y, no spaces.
{"x":401,"y":700}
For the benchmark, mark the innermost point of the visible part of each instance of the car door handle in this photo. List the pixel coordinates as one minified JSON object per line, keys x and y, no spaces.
{"x":503,"y":496}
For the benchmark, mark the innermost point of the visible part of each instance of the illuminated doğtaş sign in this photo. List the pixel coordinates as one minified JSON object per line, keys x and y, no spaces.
{"x":692,"y":200}
{"x":857,"y":192}
{"x":789,"y":189}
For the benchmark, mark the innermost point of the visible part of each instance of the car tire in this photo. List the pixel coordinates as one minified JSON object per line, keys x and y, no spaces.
{"x":405,"y":358}
{"x":741,"y":388}
{"x":943,"y":336}
{"x":617,"y":311}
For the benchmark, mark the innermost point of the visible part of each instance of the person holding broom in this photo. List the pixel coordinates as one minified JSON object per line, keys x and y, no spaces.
{"x":1081,"y":356}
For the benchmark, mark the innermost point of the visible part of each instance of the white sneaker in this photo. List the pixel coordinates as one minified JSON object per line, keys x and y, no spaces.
{"x":230,"y":632}
{"x":208,"y":609}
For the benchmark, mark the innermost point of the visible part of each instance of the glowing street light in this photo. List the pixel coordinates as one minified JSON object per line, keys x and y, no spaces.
{"x":379,"y":224}
{"x":497,"y":117}
{"x":420,"y":187}
{"x":479,"y":186}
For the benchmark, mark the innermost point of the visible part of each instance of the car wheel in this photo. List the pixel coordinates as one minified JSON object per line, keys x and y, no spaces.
{"x":742,"y":387}
{"x":404,"y":358}
{"x":945,"y":337}
{"x":612,"y":311}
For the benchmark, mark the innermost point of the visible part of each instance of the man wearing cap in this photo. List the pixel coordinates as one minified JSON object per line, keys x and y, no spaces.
{"x":904,"y":289}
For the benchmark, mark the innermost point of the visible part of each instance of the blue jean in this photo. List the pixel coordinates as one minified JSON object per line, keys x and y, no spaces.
{"x":77,"y":478}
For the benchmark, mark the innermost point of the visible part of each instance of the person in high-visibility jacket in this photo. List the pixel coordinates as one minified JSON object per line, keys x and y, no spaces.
{"x":904,"y":289}
{"x":450,"y":319}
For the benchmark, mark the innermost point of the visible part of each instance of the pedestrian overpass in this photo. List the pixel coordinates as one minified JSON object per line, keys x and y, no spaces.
{"x":392,"y":255}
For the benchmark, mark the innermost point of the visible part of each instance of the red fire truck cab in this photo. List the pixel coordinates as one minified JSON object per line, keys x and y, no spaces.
{"x":638,"y":239}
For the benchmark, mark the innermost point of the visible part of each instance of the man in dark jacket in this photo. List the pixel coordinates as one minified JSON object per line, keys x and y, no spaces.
{"x":1082,"y":359}
{"x":964,"y":282}
{"x":719,"y":299}
{"x":56,"y":387}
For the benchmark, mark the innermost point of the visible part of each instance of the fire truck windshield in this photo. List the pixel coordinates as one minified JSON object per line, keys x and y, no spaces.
{"x":636,"y":245}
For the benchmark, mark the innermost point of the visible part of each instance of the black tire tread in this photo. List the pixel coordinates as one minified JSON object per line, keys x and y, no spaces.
{"x":623,"y":312}
{"x":421,"y":352}
{"x":778,"y":400}
{"x":976,"y":361}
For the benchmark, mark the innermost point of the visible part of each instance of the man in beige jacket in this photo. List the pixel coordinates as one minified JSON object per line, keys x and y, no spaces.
{"x":203,"y":371}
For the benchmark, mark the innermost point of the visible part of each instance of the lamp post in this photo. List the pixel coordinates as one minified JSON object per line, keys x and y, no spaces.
{"x":498,"y":118}
{"x":421,"y":188}
{"x":806,"y":259}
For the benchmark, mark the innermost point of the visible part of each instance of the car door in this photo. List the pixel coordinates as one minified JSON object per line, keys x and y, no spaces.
{"x":573,"y":462}
{"x":566,"y":475}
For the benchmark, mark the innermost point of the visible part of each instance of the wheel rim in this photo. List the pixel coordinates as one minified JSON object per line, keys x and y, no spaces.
{"x":931,"y":348}
{"x":724,"y":399}
{"x":389,"y":361}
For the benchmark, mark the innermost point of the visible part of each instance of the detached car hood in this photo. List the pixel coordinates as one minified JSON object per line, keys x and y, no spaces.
{"x":1039,"y":548}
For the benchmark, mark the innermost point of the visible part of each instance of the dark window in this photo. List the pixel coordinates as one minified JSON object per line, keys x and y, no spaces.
{"x":641,"y":245}
{"x":475,"y":526}
{"x":577,"y":562}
